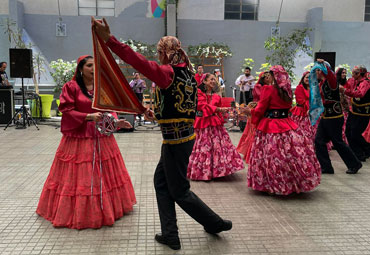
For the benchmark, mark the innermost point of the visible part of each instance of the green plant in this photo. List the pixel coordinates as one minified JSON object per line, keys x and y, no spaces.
{"x":148,"y":50}
{"x":263,"y":68}
{"x":216,"y":50}
{"x":63,"y":72}
{"x":345,"y":66}
{"x":283,"y":49}
{"x":247,"y":62}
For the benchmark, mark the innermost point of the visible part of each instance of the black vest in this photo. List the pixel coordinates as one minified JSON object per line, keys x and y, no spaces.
{"x":175,"y":107}
{"x":332,"y":105}
{"x":361,"y":106}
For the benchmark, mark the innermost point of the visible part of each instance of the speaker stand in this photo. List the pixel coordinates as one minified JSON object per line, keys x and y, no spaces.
{"x":25,"y":114}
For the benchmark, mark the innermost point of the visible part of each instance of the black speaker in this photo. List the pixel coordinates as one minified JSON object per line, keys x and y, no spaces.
{"x":21,"y":63}
{"x":327,"y":56}
{"x":6,"y":105}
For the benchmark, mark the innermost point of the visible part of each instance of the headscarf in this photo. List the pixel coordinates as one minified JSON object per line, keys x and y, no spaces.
{"x":361,"y":68}
{"x":316,"y":105}
{"x":171,"y":46}
{"x":260,"y":77}
{"x":282,"y":79}
{"x":303,"y":75}
{"x":78,"y":62}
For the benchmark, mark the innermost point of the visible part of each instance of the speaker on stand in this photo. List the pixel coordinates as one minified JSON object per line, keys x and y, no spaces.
{"x":21,"y":66}
{"x":328,"y":57}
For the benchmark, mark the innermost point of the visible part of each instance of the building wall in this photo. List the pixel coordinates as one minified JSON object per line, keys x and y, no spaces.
{"x":350,"y":41}
{"x":4,"y":7}
{"x":201,"y":10}
{"x":295,"y":10}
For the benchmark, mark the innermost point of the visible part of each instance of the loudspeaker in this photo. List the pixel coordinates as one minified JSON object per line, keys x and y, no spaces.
{"x":21,"y":63}
{"x":6,"y":105}
{"x":327,"y":56}
{"x":130,"y":118}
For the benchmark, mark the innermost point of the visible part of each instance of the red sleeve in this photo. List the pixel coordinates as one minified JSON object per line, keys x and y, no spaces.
{"x":360,"y":91}
{"x":72,"y":119}
{"x":203,"y":106}
{"x":332,"y":80}
{"x":162,"y":75}
{"x":301,"y":96}
{"x":256,"y":92}
{"x":263,"y":104}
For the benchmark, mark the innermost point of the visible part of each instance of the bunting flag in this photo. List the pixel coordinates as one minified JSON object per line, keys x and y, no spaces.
{"x":316,"y":105}
{"x":112,"y":92}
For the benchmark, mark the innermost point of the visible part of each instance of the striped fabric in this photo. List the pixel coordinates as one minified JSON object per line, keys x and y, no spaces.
{"x":112,"y":92}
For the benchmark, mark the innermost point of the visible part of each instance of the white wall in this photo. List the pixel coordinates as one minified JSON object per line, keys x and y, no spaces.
{"x":201,"y":9}
{"x":50,"y":7}
{"x":4,"y":7}
{"x":121,"y":5}
{"x":296,"y":10}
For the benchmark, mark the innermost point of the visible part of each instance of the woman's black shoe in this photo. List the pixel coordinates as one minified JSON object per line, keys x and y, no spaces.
{"x":327,"y":171}
{"x":173,"y":243}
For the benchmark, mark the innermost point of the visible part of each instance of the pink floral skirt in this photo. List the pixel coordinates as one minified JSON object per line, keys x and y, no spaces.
{"x":283,"y":163}
{"x":77,"y":196}
{"x":304,"y":126}
{"x":213,"y":155}
{"x":246,"y":141}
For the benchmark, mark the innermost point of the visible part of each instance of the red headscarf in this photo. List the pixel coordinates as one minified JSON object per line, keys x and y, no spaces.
{"x":282,"y":79}
{"x":78,"y":62}
{"x":260,"y":77}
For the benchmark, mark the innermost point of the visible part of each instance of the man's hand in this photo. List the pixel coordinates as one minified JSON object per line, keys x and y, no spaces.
{"x":149,"y":115}
{"x":101,"y":28}
{"x":341,"y":89}
{"x":124,"y":124}
{"x":320,"y":60}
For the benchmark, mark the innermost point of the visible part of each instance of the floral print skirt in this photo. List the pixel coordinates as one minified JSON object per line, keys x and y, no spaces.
{"x":283,"y":163}
{"x":213,"y":155}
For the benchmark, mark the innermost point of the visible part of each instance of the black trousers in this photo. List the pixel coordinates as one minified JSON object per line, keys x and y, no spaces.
{"x":331,"y":130}
{"x":172,"y":186}
{"x":355,"y":126}
{"x":245,"y":97}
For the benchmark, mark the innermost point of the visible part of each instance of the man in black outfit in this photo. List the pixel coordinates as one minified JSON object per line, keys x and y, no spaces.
{"x":330,"y":126}
{"x":3,"y":76}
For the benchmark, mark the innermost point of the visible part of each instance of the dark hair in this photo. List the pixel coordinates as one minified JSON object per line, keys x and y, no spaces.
{"x":79,"y":78}
{"x":339,"y":76}
{"x":200,"y":65}
{"x":262,"y":80}
{"x":301,"y":81}
{"x":2,"y":63}
{"x":247,"y":68}
{"x":202,"y":86}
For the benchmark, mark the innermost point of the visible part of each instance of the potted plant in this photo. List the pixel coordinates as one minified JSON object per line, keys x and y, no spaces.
{"x":62,"y":72}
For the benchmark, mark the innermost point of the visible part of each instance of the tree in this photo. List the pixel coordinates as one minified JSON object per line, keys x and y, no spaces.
{"x":283,"y":49}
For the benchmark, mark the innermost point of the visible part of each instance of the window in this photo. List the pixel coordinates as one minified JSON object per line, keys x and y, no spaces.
{"x":367,"y":10}
{"x":241,"y":9}
{"x":96,"y":7}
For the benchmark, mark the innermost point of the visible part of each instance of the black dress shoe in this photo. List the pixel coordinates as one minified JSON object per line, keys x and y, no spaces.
{"x":354,"y":170}
{"x":327,"y":171}
{"x":226,"y":225}
{"x":362,"y":158}
{"x":173,"y":242}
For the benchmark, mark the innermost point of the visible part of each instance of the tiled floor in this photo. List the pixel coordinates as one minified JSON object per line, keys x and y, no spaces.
{"x":334,"y":219}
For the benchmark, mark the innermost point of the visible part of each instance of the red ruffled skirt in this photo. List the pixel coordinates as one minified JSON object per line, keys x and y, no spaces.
{"x":77,"y":196}
{"x":245,"y":143}
{"x":283,"y":163}
{"x":213,"y":155}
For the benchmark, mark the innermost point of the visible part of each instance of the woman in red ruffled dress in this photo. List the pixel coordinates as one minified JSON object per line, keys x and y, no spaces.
{"x":88,"y":184}
{"x":282,"y":160}
{"x":247,"y":138}
{"x":300,"y":111}
{"x":213,"y":153}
